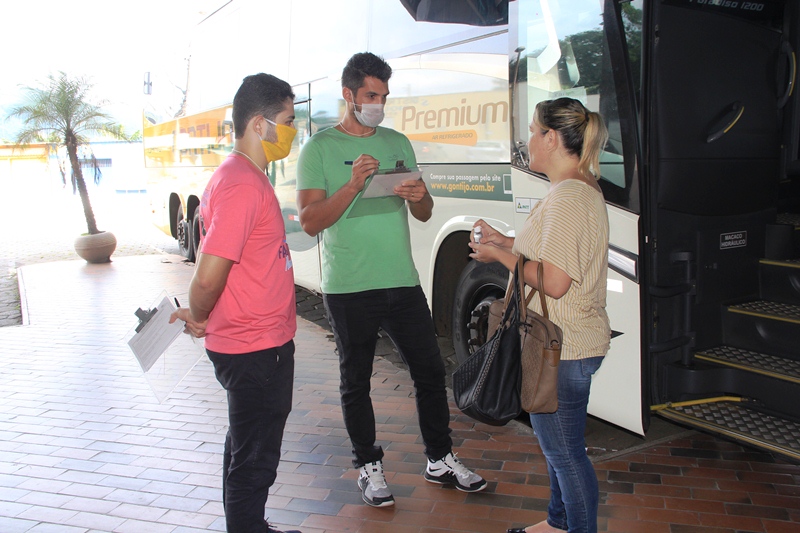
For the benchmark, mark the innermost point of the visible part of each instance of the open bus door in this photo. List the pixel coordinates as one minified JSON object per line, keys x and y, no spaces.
{"x":723,"y":284}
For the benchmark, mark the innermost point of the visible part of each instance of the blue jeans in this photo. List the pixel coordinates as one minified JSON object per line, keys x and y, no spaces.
{"x":404,"y":315}
{"x":259,"y":386}
{"x":574,"y":492}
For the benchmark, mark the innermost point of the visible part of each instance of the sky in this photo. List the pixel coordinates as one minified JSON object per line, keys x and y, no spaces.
{"x":109,"y":41}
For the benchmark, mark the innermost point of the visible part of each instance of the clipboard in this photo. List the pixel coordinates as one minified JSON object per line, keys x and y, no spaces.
{"x":383,"y":182}
{"x":163,"y":352}
{"x":378,"y":196}
{"x":154,"y":334}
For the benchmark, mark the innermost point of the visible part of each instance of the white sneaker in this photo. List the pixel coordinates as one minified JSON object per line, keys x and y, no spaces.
{"x":449,"y":469}
{"x":372,"y":483}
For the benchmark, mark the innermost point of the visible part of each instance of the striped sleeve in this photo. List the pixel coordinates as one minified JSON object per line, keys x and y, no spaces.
{"x":569,"y":231}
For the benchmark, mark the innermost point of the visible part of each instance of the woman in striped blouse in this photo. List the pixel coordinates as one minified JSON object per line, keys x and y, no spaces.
{"x":568,"y":232}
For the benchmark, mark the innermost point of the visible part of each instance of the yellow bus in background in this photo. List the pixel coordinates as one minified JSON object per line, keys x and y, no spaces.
{"x":180,"y":155}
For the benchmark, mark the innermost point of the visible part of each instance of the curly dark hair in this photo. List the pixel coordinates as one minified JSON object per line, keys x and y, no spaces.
{"x":259,"y":95}
{"x":362,"y":65}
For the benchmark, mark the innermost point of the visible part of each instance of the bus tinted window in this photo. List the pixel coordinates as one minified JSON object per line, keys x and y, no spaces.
{"x":452,"y":105}
{"x":632,"y":22}
{"x":563,"y":51}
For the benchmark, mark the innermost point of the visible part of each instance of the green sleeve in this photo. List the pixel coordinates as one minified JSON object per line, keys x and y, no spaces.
{"x":310,"y":172}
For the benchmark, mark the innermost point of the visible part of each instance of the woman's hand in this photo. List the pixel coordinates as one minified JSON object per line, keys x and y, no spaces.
{"x":489,"y":235}
{"x":485,"y":253}
{"x":493,"y":244}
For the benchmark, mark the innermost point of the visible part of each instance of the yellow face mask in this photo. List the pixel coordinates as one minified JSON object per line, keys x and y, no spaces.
{"x":275,"y":151}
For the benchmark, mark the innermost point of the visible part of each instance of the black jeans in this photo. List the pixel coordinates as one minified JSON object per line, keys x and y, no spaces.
{"x":259,"y":386}
{"x":404,"y":315}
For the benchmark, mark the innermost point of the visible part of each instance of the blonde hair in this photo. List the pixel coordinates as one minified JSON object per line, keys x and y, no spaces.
{"x":582,"y":132}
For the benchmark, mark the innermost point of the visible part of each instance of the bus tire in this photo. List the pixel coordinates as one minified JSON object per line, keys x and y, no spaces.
{"x":196,"y":233}
{"x":184,"y":236}
{"x":479,"y":285}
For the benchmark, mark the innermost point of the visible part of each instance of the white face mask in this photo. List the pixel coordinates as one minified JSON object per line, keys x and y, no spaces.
{"x":370,"y":115}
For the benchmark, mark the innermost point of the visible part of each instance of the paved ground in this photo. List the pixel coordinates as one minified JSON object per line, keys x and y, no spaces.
{"x":86,"y":447}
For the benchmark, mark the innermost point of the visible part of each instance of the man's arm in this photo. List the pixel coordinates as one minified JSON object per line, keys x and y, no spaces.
{"x":319,"y":211}
{"x":208,"y":282}
{"x":420,"y":202}
{"x":415,"y":193}
{"x":423,"y":209}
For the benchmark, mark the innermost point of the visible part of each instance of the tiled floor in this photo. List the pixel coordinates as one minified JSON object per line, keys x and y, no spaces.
{"x":86,"y":447}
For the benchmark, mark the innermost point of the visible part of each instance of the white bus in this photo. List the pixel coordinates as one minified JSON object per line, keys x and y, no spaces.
{"x":701,"y":173}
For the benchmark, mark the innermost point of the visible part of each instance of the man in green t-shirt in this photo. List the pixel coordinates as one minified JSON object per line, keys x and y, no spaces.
{"x":368,"y":276}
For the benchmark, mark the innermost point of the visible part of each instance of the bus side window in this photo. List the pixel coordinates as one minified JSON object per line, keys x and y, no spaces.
{"x":563,"y":50}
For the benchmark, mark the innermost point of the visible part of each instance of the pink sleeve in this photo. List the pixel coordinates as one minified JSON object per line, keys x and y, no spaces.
{"x":233,"y":217}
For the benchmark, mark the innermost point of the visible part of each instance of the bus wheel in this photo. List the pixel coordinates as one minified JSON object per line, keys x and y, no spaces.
{"x":196,"y":231}
{"x":480,"y":284}
{"x":184,"y":231}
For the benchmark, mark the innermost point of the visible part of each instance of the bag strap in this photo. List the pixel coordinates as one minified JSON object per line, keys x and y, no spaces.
{"x":509,"y":292}
{"x":521,"y":288}
{"x":513,"y":291}
{"x":541,"y":290}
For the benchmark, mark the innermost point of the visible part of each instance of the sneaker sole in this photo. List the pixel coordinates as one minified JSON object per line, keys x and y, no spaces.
{"x":388,"y":503}
{"x":371,"y":503}
{"x":462,"y":488}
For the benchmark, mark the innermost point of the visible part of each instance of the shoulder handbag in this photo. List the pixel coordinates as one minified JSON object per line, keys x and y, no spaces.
{"x":486,"y":386}
{"x":540,"y":346}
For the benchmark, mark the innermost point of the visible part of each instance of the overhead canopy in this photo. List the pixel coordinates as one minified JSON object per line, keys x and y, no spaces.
{"x":472,"y":12}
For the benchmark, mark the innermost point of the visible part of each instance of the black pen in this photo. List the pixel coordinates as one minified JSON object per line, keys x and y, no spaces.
{"x":177,"y":303}
{"x":348,"y":162}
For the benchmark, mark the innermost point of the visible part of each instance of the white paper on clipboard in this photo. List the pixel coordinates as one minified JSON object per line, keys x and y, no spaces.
{"x":165,"y":354}
{"x":383,"y":182}
{"x":156,"y":335}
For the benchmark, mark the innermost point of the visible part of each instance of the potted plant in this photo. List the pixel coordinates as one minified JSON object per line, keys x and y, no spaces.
{"x":61,"y":112}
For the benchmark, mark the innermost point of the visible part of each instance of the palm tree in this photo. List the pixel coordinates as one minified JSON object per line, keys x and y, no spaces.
{"x":61,"y":111}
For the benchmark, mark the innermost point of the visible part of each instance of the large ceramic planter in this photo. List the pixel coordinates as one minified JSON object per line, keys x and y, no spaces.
{"x":96,"y":248}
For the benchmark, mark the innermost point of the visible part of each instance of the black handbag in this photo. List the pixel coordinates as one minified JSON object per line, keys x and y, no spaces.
{"x":486,"y":386}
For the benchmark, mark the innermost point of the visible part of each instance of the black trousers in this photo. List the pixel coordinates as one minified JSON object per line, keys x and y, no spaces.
{"x":404,"y":315}
{"x":259,"y":386}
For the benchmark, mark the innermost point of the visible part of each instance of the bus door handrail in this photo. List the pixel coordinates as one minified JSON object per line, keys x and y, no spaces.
{"x":686,"y":291}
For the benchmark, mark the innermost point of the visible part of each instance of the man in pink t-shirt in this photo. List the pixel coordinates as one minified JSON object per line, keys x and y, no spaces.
{"x":241,"y":298}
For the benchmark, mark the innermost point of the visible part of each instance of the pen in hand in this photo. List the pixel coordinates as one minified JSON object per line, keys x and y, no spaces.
{"x":348,"y":163}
